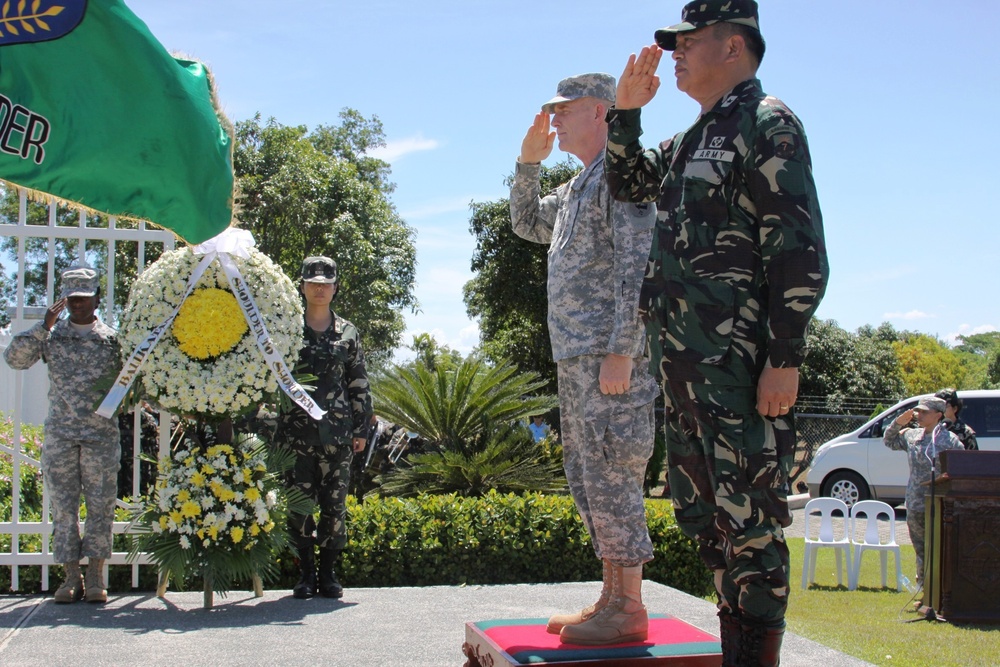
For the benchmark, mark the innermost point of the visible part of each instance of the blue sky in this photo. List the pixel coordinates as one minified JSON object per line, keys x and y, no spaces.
{"x":896,"y":99}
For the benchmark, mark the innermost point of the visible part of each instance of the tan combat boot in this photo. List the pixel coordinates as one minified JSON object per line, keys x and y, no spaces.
{"x":71,"y":589}
{"x":96,"y":590}
{"x":623,"y":619}
{"x":559,"y":621}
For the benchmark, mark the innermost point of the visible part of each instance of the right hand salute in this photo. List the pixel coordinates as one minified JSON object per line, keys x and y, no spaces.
{"x":538,"y":142}
{"x":638,"y":83}
{"x":52,"y":314}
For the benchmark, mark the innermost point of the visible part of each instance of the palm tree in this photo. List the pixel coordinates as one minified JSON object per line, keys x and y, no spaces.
{"x":471,"y":418}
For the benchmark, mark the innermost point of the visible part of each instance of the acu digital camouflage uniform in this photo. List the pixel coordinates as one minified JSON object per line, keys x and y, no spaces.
{"x":81,"y":451}
{"x":323,"y":448}
{"x":597,"y":251}
{"x":737,"y":268}
{"x":918,"y":445}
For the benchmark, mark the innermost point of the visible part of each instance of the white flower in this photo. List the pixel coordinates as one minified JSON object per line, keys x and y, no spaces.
{"x":185,"y":542}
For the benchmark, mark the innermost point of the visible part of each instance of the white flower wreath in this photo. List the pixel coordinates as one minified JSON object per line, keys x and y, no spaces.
{"x":193,"y":377}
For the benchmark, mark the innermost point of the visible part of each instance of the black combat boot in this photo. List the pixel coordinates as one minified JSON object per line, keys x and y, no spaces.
{"x":729,"y":633}
{"x":760,"y":644}
{"x":329,"y":585}
{"x":306,"y":588}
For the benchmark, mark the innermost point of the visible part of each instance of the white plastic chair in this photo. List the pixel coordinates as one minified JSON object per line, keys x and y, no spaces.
{"x":828,"y":535}
{"x":871,"y":511}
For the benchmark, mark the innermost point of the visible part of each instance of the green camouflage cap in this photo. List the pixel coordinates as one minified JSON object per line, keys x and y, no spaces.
{"x":601,"y":86}
{"x":319,"y":270}
{"x":79,"y":281}
{"x":931,"y":403}
{"x":701,"y":13}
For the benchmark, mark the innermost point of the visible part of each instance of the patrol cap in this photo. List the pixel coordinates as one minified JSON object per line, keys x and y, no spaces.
{"x":319,"y":270}
{"x":931,"y":403}
{"x":79,"y":281}
{"x":596,"y":84}
{"x":700,"y":13}
{"x":950,"y":397}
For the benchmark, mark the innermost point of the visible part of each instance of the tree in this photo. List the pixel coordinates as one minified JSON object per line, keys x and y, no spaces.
{"x":431,"y":354}
{"x":317,"y":193}
{"x":928,"y":364}
{"x":471,"y":417}
{"x":508,"y":294}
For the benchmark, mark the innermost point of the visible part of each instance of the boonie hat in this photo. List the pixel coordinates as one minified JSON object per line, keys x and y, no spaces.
{"x":931,"y":403}
{"x":700,"y":13}
{"x":599,"y":85}
{"x":319,"y":270}
{"x":79,"y":281}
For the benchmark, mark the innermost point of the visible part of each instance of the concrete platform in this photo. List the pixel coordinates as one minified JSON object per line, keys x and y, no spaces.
{"x":370,"y":627}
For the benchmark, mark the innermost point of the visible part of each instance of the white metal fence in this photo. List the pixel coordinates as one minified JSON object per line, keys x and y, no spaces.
{"x":25,"y":398}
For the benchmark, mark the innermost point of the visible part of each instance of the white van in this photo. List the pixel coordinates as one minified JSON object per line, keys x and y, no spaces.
{"x":858,"y":466}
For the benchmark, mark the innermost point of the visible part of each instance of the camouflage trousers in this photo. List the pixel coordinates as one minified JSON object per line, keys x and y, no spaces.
{"x":73,"y":467}
{"x":916,"y":524}
{"x":607,"y":441}
{"x":728,"y":469}
{"x":323,"y":475}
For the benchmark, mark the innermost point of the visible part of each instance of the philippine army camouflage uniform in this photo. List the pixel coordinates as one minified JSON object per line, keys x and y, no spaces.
{"x":965,"y":434}
{"x":323,"y":449}
{"x":597,"y":251}
{"x":82,"y":451}
{"x":737,"y":268}
{"x":918,"y":444}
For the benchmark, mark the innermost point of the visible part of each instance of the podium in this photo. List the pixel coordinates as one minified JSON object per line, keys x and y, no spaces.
{"x":965,"y":561}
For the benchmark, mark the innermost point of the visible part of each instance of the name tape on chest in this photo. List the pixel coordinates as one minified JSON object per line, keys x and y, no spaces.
{"x":713,"y":154}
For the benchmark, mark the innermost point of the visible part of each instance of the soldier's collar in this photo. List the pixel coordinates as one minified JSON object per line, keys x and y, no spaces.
{"x":730,"y":101}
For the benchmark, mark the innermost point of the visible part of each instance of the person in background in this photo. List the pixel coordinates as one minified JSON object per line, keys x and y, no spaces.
{"x":81,"y":453}
{"x":539,"y":429}
{"x":324,"y":448}
{"x":952,"y":410}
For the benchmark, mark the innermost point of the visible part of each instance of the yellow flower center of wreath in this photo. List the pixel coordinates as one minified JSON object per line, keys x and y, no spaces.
{"x":209,"y":323}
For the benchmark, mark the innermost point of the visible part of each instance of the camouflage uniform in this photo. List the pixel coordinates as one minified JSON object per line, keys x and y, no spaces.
{"x":918,"y":444}
{"x":597,"y":249}
{"x":82,"y":451}
{"x":965,"y":434}
{"x":323,"y":449}
{"x":737,"y":268}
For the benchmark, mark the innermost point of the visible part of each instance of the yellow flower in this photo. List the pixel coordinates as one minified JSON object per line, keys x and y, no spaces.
{"x":254,"y":529}
{"x":183,"y":495}
{"x":237,"y":534}
{"x":163,"y":521}
{"x":209,"y":323}
{"x":189,"y":461}
{"x":268,"y":526}
{"x":198,"y":480}
{"x":207,"y":469}
{"x":213,"y":532}
{"x":252,"y":495}
{"x":190,"y":509}
{"x":176,"y":516}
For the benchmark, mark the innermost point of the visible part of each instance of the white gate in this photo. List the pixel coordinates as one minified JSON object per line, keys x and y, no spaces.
{"x":24,"y":389}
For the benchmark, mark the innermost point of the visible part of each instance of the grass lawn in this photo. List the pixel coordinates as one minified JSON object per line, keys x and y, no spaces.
{"x":870,"y":623}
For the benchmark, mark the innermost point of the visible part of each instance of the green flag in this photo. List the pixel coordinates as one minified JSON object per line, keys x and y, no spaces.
{"x":94,"y":111}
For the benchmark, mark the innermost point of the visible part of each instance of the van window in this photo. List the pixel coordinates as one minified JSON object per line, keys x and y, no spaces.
{"x":878,"y":428}
{"x":983,"y":415}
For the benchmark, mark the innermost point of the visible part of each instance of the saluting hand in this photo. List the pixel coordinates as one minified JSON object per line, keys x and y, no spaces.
{"x":538,"y":142}
{"x":52,"y":314}
{"x":638,"y":83}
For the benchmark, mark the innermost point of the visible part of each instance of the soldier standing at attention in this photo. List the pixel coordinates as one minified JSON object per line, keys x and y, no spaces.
{"x":324,"y":449}
{"x":82,"y":450}
{"x":737,"y":268}
{"x":597,"y":252}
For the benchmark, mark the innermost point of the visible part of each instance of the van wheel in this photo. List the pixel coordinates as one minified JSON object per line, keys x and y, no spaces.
{"x":847,"y":486}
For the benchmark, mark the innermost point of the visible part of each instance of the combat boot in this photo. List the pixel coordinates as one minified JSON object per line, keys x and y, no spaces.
{"x":329,"y":585}
{"x":96,"y":590}
{"x":760,"y":645}
{"x":306,"y":588}
{"x":622,"y":619}
{"x":71,"y":589}
{"x":729,"y":635}
{"x":559,"y":621}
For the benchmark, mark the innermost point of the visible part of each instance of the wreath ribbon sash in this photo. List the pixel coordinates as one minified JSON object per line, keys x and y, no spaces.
{"x":222,"y":247}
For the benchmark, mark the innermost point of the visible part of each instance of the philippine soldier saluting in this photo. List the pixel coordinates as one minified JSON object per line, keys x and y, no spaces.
{"x":597,"y":252}
{"x":737,"y":268}
{"x":82,"y":450}
{"x":324,"y":448}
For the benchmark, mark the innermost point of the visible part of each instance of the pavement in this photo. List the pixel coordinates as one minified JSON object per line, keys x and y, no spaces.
{"x":369,"y":627}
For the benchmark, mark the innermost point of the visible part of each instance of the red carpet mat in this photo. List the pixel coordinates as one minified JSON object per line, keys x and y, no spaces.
{"x":523,"y":641}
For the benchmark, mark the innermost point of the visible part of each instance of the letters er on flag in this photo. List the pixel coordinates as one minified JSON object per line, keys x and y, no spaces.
{"x":94,"y":111}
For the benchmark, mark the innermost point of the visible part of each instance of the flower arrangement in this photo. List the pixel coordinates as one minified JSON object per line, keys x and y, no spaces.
{"x":219,"y":511}
{"x":208,"y":364}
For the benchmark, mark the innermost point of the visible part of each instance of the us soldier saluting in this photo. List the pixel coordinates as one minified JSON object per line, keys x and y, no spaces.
{"x":82,"y":450}
{"x":597,"y":252}
{"x":737,"y":268}
{"x":323,"y":449}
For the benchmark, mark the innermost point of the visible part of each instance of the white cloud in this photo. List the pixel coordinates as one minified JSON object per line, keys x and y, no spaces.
{"x":438,"y":207}
{"x":393,"y":150}
{"x":911,"y":315}
{"x":967,"y":330}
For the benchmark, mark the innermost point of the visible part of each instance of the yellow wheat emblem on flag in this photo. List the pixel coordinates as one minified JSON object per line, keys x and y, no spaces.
{"x":19,"y":20}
